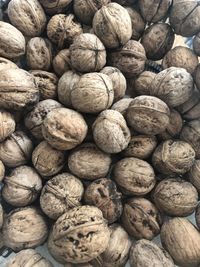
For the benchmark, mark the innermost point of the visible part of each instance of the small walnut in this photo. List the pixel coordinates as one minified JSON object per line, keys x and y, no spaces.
{"x":24,"y":228}
{"x":16,"y":150}
{"x":47,"y":160}
{"x":142,"y":84}
{"x":7,"y":64}
{"x":122,"y":105}
{"x":173,"y":157}
{"x":141,"y":219}
{"x":196,"y":44}
{"x":135,"y":177}
{"x":61,"y":62}
{"x":60,"y":194}
{"x":83,"y":162}
{"x":7,"y":124}
{"x":2,"y":171}
{"x":196,"y":76}
{"x":55,"y":6}
{"x":110,"y":132}
{"x":112,"y":24}
{"x":138,"y":24}
{"x":93,"y":93}
{"x":22,"y":186}
{"x":79,"y":235}
{"x":1,"y":216}
{"x":39,"y":54}
{"x":197,"y":216}
{"x":28,"y":16}
{"x":194,"y":175}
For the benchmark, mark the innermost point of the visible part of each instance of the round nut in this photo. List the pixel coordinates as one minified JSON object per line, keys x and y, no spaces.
{"x":61,"y":62}
{"x":138,"y":24}
{"x":7,"y":124}
{"x":142,"y":84}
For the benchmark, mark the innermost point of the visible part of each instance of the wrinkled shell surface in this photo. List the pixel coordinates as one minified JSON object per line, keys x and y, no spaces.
{"x":142,"y":84}
{"x":7,"y":125}
{"x":122,"y":105}
{"x":7,"y":64}
{"x":138,"y":24}
{"x":61,"y":62}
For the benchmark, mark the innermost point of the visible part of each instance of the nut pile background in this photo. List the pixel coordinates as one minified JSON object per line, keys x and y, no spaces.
{"x":100,"y":145}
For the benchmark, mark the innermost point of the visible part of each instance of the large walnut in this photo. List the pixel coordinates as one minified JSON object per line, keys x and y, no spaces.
{"x":7,"y":124}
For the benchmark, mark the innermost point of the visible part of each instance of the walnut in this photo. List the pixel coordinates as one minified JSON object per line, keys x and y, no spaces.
{"x":1,"y":216}
{"x":194,"y":175}
{"x":112,"y":24}
{"x":55,"y":6}
{"x":79,"y":235}
{"x":28,"y":16}
{"x":61,"y":62}
{"x":7,"y":124}
{"x":196,"y":76}
{"x":196,"y":44}
{"x":7,"y":64}
{"x":122,"y":105}
{"x":2,"y":171}
{"x":142,"y":84}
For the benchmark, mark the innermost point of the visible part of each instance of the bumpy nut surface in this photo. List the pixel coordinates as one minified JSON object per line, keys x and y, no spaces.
{"x":110,"y":131}
{"x":24,"y":228}
{"x":93,"y":93}
{"x":142,"y":84}
{"x":122,"y":105}
{"x":194,"y":175}
{"x":7,"y":124}
{"x":61,"y":62}
{"x":47,"y":160}
{"x":83,"y":162}
{"x":196,"y":44}
{"x":138,"y":24}
{"x":182,"y":240}
{"x":141,"y":219}
{"x":112,"y":24}
{"x":134,"y":176}
{"x":79,"y":235}
{"x":1,"y":216}
{"x":55,"y":6}
{"x":145,"y":253}
{"x":148,"y":115}
{"x":28,"y":16}
{"x":7,"y":64}
{"x":16,"y":150}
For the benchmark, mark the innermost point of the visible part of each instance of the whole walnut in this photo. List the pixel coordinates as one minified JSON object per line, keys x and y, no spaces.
{"x":181,"y":57}
{"x":79,"y":235}
{"x":60,"y":194}
{"x":93,"y":93}
{"x":24,"y":228}
{"x":7,"y":124}
{"x":122,"y":105}
{"x":18,"y":89}
{"x":7,"y":64}
{"x":55,"y":6}
{"x":29,"y":257}
{"x":62,"y":29}
{"x":184,"y":17}
{"x":2,"y":171}
{"x":87,"y":53}
{"x":173,"y":157}
{"x":1,"y":216}
{"x":148,"y":115}
{"x":130,"y":59}
{"x":28,"y":16}
{"x":112,"y":24}
{"x":64,"y":128}
{"x":34,"y":119}
{"x":110,"y":131}
{"x":47,"y":160}
{"x":103,"y":194}
{"x":145,"y":253}
{"x":194,"y":175}
{"x":142,"y":84}
{"x":196,"y":76}
{"x":22,"y":186}
{"x":82,"y":162}
{"x":138,"y":24}
{"x":12,"y":41}
{"x":173,"y":85}
{"x":196,"y":44}
{"x":61,"y":62}
{"x":197,"y":216}
{"x":175,"y":197}
{"x":85,"y":10}
{"x":39,"y":54}
{"x":182,"y":240}
{"x":135,"y":177}
{"x":16,"y":150}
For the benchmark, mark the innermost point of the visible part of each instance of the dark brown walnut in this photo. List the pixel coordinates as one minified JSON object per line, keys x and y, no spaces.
{"x":182,"y":240}
{"x":112,"y":24}
{"x":55,"y":6}
{"x":181,"y":57}
{"x":130,"y":59}
{"x":34,"y":119}
{"x":7,"y":64}
{"x":197,"y":76}
{"x":197,"y":216}
{"x":173,"y":157}
{"x":28,"y":16}
{"x":194,"y":175}
{"x":82,"y":162}
{"x":60,"y":194}
{"x":122,"y":105}
{"x":141,"y":219}
{"x":145,"y":253}
{"x":16,"y":150}
{"x":1,"y":216}
{"x":138,"y":24}
{"x":103,"y":194}
{"x":13,"y":44}
{"x":61,"y":62}
{"x":85,"y":10}
{"x":135,"y":177}
{"x":47,"y":84}
{"x":62,"y":29}
{"x":110,"y":131}
{"x":7,"y":124}
{"x":18,"y":89}
{"x":173,"y":85}
{"x":148,"y":115}
{"x":175,"y":197}
{"x":39,"y":54}
{"x":196,"y":44}
{"x":79,"y":235}
{"x":93,"y":93}
{"x":153,"y":10}
{"x":142,"y":84}
{"x":2,"y":171}
{"x":87,"y":53}
{"x":184,"y":17}
{"x":47,"y":160}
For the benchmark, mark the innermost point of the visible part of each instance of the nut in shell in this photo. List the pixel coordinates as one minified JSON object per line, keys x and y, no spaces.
{"x":142,"y":84}
{"x":7,"y":124}
{"x":61,"y":62}
{"x":122,"y":105}
{"x":138,"y":24}
{"x":55,"y":6}
{"x":7,"y":64}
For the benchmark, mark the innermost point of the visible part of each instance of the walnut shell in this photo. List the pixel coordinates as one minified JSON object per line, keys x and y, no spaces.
{"x":196,"y":44}
{"x":122,"y":105}
{"x":138,"y":24}
{"x":81,"y":233}
{"x":28,"y":16}
{"x":1,"y":216}
{"x":61,"y":62}
{"x":7,"y":124}
{"x":142,"y":84}
{"x":2,"y":171}
{"x":7,"y":64}
{"x":194,"y":175}
{"x":55,"y":6}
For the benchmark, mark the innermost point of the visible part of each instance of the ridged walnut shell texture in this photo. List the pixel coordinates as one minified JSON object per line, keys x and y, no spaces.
{"x":182,"y":240}
{"x":79,"y":235}
{"x":28,"y":16}
{"x":55,"y":6}
{"x":7,"y":64}
{"x":194,"y":175}
{"x":122,"y":105}
{"x":7,"y":124}
{"x":61,"y":62}
{"x":138,"y":24}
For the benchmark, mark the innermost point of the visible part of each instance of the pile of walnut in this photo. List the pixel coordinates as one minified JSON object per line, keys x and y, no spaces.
{"x":98,"y":156}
